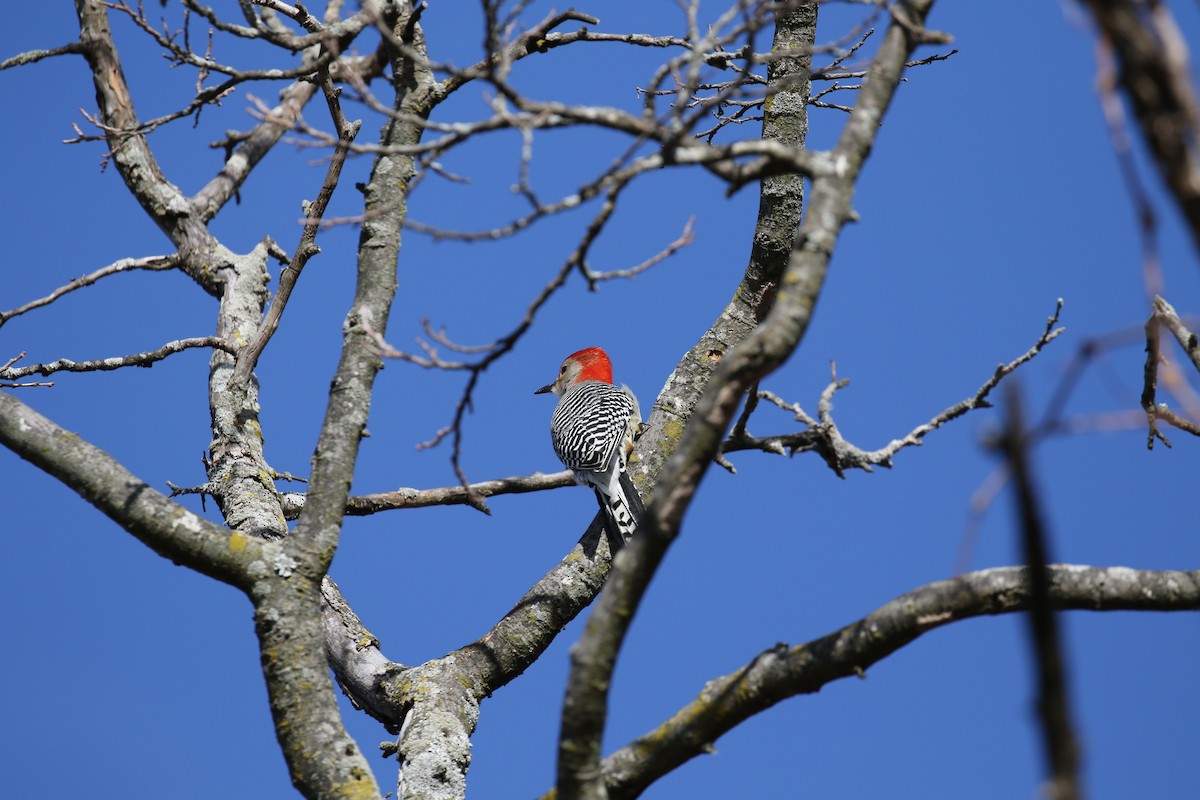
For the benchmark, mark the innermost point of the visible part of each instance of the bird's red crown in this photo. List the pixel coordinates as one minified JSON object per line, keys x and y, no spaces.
{"x":594,"y":365}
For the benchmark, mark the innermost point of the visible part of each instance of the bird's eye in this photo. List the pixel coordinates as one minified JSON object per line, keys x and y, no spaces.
{"x":564,"y":369}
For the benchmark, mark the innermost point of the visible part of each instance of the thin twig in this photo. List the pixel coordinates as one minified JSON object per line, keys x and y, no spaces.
{"x":124,"y":265}
{"x":145,"y":359}
{"x":366,"y":504}
{"x":313,"y":211}
{"x":32,"y":56}
{"x":686,"y":238}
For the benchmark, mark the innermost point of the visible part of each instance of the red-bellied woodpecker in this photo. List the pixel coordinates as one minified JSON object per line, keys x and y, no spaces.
{"x":592,"y":430}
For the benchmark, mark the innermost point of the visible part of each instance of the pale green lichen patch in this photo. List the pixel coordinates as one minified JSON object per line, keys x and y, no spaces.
{"x":360,"y":788}
{"x":673,"y":431}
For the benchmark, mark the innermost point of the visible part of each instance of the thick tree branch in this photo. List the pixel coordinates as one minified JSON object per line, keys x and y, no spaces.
{"x":783,"y":671}
{"x":315,"y":538}
{"x":313,"y":212}
{"x":356,"y":659}
{"x":238,"y":471}
{"x":1157,"y":80}
{"x":593,"y":658}
{"x":253,"y":148}
{"x":323,"y":761}
{"x":1165,"y":313}
{"x":159,"y":198}
{"x":164,"y":526}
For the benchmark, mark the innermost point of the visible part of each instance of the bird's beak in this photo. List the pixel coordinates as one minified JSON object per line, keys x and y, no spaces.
{"x":545,"y":388}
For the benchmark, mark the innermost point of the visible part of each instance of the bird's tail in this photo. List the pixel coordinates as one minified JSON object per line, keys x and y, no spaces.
{"x":623,"y":512}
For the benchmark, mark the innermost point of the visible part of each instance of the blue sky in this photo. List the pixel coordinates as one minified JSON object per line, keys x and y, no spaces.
{"x":991,"y":192}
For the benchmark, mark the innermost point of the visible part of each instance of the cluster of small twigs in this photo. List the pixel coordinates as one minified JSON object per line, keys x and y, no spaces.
{"x":822,"y":435}
{"x":1056,"y":420}
{"x":179,"y":51}
{"x":740,"y":100}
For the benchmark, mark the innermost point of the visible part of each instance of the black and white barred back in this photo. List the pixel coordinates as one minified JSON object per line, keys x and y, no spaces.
{"x":588,"y":430}
{"x":588,"y":426}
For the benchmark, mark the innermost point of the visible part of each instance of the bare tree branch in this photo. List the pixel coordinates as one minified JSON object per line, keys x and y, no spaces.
{"x":28,"y":384}
{"x":362,"y":505}
{"x":1158,"y":83}
{"x":1164,"y":315}
{"x":159,"y":198}
{"x":824,"y":437}
{"x":33,"y":56}
{"x":124,"y":265}
{"x":354,"y":655}
{"x":783,"y":671}
{"x":248,"y":357}
{"x":145,"y":359}
{"x":1114,"y":117}
{"x":1053,"y":707}
{"x":164,"y":526}
{"x":1188,"y":340}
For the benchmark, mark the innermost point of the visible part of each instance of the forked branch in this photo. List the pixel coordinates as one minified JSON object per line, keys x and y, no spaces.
{"x":1164,"y":315}
{"x":823,"y":436}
